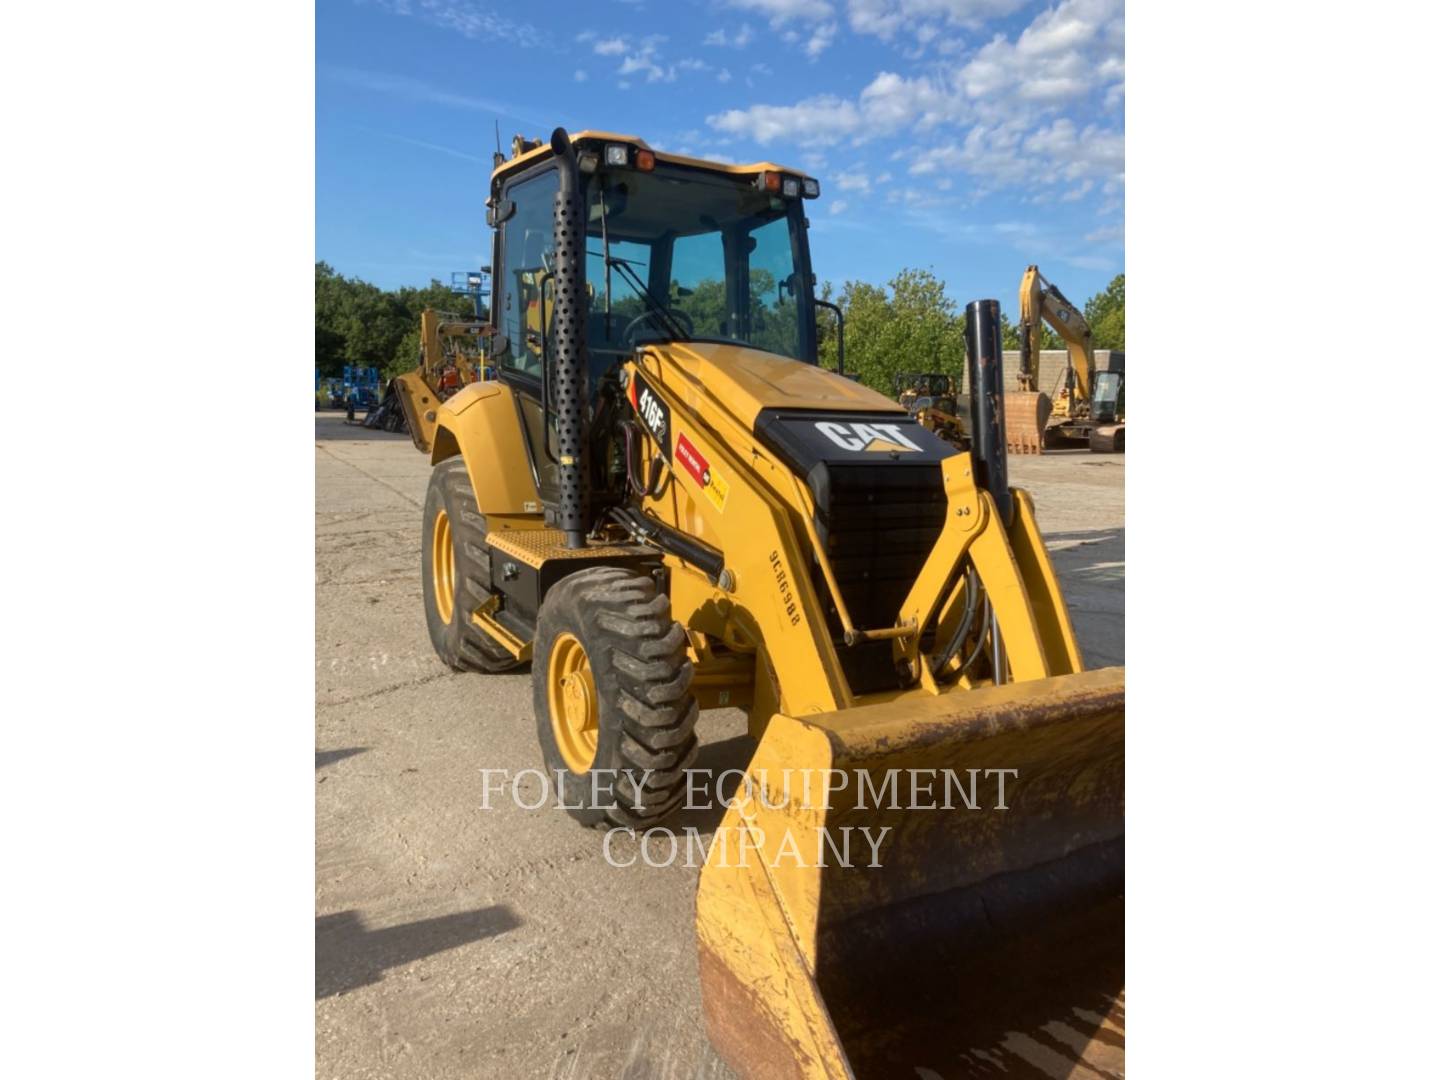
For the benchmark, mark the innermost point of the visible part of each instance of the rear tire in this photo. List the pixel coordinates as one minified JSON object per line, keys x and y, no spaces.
{"x":607,"y":651}
{"x":455,"y":573}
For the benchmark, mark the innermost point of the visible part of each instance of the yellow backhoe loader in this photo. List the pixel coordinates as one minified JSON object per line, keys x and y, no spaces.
{"x":452,"y":356}
{"x":932,"y":398}
{"x":665,"y":505}
{"x":1089,"y":410}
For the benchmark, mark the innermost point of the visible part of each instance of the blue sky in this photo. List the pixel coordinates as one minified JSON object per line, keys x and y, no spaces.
{"x":968,"y":136}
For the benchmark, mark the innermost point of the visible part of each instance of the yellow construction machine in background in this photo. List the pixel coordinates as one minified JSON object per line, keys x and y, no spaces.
{"x":452,"y":356}
{"x":665,"y":505}
{"x":1089,"y":409}
{"x":933,"y":398}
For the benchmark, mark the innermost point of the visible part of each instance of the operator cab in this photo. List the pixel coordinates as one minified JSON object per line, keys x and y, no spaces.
{"x":1107,"y":399}
{"x":676,"y":249}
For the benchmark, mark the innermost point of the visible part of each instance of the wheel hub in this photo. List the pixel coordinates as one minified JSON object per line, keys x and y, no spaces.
{"x":442,"y":567}
{"x":574,"y":704}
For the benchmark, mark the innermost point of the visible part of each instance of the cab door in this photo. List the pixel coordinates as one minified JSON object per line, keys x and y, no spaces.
{"x":523,"y":297}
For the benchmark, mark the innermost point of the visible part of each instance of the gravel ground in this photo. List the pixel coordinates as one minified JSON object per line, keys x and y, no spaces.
{"x":454,"y":940}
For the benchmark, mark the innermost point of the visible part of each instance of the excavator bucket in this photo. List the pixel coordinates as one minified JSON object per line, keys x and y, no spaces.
{"x":966,"y":930}
{"x":1026,"y":414}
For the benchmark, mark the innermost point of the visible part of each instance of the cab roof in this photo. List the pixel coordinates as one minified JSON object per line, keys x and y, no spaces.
{"x":543,"y":152}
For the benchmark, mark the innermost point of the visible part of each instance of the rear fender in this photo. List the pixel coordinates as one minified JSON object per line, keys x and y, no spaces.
{"x":482,"y":425}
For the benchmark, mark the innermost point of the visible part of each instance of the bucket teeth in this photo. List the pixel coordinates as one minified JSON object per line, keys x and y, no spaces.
{"x":1026,"y":414}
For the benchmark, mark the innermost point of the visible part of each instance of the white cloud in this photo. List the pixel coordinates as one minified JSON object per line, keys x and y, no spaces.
{"x":1020,"y":110}
{"x":820,"y":40}
{"x":782,"y":11}
{"x":723,"y":76}
{"x":839,"y":206}
{"x":853,"y":181}
{"x":924,"y":19}
{"x":580,"y":75}
{"x":890,"y":101}
{"x":738,"y":40}
{"x":817,"y":121}
{"x":643,"y":63}
{"x":1065,"y":53}
{"x":642,"y":57}
{"x":473,"y":20}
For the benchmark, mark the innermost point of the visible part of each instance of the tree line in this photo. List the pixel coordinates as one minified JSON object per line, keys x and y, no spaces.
{"x":363,"y":325}
{"x":911,"y":325}
{"x":906,"y":325}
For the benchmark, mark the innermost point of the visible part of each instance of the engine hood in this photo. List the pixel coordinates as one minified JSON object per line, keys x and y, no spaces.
{"x":746,"y":381}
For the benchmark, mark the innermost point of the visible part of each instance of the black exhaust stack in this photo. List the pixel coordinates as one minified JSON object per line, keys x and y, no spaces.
{"x":568,"y":335}
{"x":985,"y":361}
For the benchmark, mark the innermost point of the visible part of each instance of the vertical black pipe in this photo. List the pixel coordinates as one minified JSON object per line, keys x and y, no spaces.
{"x":568,"y":354}
{"x":987,"y":402}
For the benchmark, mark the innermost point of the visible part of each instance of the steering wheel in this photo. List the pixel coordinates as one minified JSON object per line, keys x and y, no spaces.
{"x":649,"y":314}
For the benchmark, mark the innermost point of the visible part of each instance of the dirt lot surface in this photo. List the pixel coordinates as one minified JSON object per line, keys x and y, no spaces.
{"x":458,"y":941}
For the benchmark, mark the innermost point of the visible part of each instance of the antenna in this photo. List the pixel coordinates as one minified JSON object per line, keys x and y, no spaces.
{"x":498,"y":151}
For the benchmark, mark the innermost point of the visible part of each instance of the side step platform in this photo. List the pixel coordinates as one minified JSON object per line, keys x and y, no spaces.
{"x":525,"y":564}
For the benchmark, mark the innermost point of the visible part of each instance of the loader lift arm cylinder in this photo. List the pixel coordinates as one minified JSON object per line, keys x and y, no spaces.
{"x":568,"y":356}
{"x":987,"y":402}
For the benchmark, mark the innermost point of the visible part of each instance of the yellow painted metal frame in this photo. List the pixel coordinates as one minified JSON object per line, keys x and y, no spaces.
{"x":765,"y":527}
{"x":531,"y":157}
{"x":483,"y":617}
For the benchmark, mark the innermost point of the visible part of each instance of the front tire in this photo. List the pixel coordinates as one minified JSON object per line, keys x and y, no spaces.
{"x":455,"y":573}
{"x":613,"y":707}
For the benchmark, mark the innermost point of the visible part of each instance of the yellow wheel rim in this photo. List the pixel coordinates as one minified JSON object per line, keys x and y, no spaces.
{"x":574,"y":706}
{"x":442,"y":567}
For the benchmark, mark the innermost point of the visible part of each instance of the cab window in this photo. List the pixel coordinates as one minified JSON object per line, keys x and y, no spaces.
{"x":528,"y":243}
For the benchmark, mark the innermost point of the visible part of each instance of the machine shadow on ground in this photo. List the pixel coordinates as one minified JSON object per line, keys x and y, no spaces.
{"x":711,"y":763}
{"x":349,"y":956}
{"x":330,"y":757}
{"x":1093,"y":556}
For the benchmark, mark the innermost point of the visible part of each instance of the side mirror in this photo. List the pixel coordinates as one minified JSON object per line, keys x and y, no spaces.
{"x":498,"y":346}
{"x":499,"y":212}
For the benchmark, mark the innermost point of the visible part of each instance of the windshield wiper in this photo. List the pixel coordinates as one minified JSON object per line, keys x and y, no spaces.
{"x":652,"y":301}
{"x":676,"y":331}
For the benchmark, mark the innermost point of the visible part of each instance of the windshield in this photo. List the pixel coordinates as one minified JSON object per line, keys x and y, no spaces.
{"x":682,"y":253}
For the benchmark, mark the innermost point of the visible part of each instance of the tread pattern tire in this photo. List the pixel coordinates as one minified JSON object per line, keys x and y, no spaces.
{"x":647,"y":714}
{"x":460,"y":643}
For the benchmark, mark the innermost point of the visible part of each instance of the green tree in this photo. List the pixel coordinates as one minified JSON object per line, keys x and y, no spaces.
{"x":1105,"y":312}
{"x":909,"y":326}
{"x":360,"y":324}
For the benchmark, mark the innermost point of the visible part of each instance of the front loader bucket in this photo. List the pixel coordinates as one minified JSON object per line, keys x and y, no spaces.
{"x":1026,"y":415}
{"x":986,"y":940}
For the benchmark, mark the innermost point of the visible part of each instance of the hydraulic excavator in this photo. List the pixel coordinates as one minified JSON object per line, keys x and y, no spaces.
{"x":1089,"y":410}
{"x":452,"y":356}
{"x":664,"y":505}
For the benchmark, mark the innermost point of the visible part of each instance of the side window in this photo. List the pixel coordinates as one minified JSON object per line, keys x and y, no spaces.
{"x":697,"y":283}
{"x":528,"y":247}
{"x":774,"y":314}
